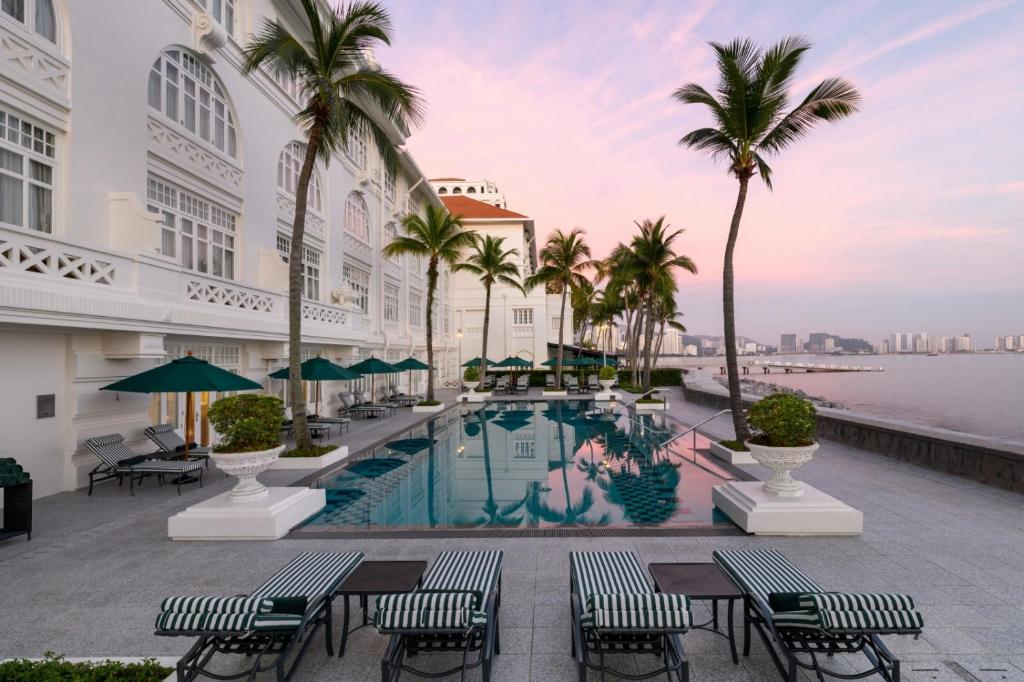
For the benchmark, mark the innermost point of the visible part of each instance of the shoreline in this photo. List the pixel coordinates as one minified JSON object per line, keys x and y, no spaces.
{"x":765,"y":388}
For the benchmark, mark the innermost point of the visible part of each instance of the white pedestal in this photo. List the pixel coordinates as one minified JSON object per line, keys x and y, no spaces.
{"x":731,"y":456}
{"x":555,"y":394}
{"x":813,"y":513}
{"x":269,"y":518}
{"x":473,"y":397}
{"x":651,"y":407}
{"x":608,"y":395}
{"x":336,"y":455}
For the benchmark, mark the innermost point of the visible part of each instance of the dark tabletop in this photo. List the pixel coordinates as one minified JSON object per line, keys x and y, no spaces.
{"x":383,"y":577}
{"x":699,"y":581}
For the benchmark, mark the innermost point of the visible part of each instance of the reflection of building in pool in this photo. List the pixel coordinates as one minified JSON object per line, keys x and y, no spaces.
{"x":492,"y":485}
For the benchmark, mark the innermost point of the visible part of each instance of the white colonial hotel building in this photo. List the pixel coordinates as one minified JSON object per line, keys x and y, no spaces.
{"x":146,"y":200}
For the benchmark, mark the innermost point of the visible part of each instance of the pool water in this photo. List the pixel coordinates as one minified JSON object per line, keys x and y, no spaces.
{"x":527,"y":464}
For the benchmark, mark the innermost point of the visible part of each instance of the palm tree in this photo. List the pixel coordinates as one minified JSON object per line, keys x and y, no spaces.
{"x":752,"y":123}
{"x":440,"y":239}
{"x":666,"y":314}
{"x":494,"y":514}
{"x":582,"y":302}
{"x":654,"y":264}
{"x":493,"y":265}
{"x":338,"y":90}
{"x":564,"y":258}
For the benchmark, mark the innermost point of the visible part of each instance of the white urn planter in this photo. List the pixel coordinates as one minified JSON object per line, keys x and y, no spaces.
{"x":470,"y":385}
{"x":606,"y":384}
{"x":246,"y":466}
{"x":782,"y":462}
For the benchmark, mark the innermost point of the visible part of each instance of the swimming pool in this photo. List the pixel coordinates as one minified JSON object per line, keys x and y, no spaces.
{"x":526,"y":464}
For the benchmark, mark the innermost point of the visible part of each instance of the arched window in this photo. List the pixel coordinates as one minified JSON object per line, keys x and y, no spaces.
{"x":355,"y":146}
{"x":37,"y":16}
{"x":471,"y":190}
{"x":442,"y":190}
{"x":357,"y":221}
{"x":289,"y":165}
{"x":188,"y":93}
{"x":457,"y":190}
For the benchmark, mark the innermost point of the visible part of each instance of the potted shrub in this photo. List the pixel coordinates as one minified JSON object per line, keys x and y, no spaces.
{"x":607,"y":377}
{"x":471,"y":378}
{"x":250,"y":440}
{"x":785,"y":442}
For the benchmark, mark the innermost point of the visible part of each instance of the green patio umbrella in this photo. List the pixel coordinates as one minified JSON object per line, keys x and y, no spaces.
{"x":184,"y":375}
{"x":514,"y":362}
{"x":410,"y":364}
{"x":475,"y":362}
{"x":319,"y":369}
{"x":373,"y":366}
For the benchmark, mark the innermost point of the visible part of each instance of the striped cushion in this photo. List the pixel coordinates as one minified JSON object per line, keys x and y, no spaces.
{"x":174,"y":621}
{"x":475,"y":572}
{"x":159,"y":466}
{"x":310,"y":575}
{"x":764,"y":571}
{"x":637,"y":611}
{"x":165,"y":436}
{"x":111,"y":449}
{"x":606,"y":573}
{"x":217,"y":605}
{"x":428,"y":610}
{"x":839,"y":620}
{"x":838,"y":601}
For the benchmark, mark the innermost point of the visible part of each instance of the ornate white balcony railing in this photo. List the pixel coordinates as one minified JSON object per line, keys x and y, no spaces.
{"x":217,"y":292}
{"x":47,"y":257}
{"x":318,"y":312}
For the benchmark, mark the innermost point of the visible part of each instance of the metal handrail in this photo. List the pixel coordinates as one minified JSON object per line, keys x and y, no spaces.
{"x":640,"y":397}
{"x":693,"y":429}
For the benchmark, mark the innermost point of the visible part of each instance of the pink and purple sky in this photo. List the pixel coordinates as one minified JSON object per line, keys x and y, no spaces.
{"x":907,"y":217}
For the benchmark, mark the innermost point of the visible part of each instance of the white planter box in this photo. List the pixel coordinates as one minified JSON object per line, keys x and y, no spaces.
{"x":312,"y":463}
{"x":428,"y":408}
{"x":731,"y":456}
{"x":266,"y":518}
{"x":758,"y":512}
{"x":472,"y":397}
{"x":556,"y":394}
{"x":651,"y":407}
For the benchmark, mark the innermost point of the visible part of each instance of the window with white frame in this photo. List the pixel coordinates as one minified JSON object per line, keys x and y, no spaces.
{"x":196,"y":231}
{"x":355,"y":145}
{"x":287,"y":83}
{"x":389,"y":184}
{"x":289,"y":166}
{"x":187,"y":92}
{"x":390,"y":235}
{"x":223,"y":12}
{"x":447,"y":319}
{"x":522,"y":316}
{"x":555,"y":321}
{"x":310,"y":265}
{"x":357,"y":221}
{"x":358,"y":280}
{"x":390,"y":302}
{"x":27,"y":154}
{"x":415,"y":309}
{"x":37,"y":16}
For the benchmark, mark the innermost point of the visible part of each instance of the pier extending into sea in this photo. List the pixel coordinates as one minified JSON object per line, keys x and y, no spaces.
{"x":789,"y":367}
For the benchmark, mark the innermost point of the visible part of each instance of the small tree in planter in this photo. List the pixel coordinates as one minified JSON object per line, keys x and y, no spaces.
{"x":250,"y":440}
{"x":786,"y":440}
{"x":607,"y":376}
{"x":471,"y":378}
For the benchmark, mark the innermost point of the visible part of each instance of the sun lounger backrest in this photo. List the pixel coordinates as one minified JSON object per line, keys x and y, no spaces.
{"x":310,"y":575}
{"x":346,"y":399}
{"x":465,"y":571}
{"x":607,"y":573}
{"x":763,"y":571}
{"x":165,"y":436}
{"x":111,"y":449}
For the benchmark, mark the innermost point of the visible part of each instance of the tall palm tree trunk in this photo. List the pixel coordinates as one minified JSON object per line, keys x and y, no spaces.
{"x":487,"y":324}
{"x":295,"y":291}
{"x":657,"y":344}
{"x":648,"y":340}
{"x":739,"y":420}
{"x":561,"y":329}
{"x":431,"y":287}
{"x":635,"y":351}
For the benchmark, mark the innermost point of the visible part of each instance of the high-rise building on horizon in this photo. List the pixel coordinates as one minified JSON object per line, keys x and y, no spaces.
{"x":787,"y":344}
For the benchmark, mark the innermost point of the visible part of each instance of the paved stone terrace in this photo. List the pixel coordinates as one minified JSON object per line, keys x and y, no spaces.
{"x":90,"y":581}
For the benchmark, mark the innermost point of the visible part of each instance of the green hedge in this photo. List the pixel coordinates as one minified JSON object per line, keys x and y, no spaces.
{"x":661,"y":376}
{"x":54,"y":668}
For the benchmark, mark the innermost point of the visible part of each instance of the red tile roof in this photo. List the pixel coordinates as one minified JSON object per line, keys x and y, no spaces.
{"x":471,"y":208}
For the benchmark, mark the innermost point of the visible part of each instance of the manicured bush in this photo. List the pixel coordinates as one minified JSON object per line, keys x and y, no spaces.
{"x":54,"y":668}
{"x":607,"y":373}
{"x":628,"y":387}
{"x":784,"y":420}
{"x":471,"y":374}
{"x":660,"y":376}
{"x":428,"y":403}
{"x":734,"y":445}
{"x":315,"y":451}
{"x":651,"y":401}
{"x":247,"y":422}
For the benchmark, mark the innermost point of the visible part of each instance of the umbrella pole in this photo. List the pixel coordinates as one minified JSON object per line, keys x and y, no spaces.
{"x":189,"y":421}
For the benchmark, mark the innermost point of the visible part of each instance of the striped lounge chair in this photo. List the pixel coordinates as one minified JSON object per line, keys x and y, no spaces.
{"x":117,"y":460}
{"x":168,"y":440}
{"x":795,"y":617}
{"x":455,"y":610}
{"x":615,"y":610}
{"x":273,"y":624}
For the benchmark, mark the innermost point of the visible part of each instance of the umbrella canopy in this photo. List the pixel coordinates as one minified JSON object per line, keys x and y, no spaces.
{"x":320,"y":369}
{"x":514,"y":361}
{"x":410,"y":446}
{"x":475,"y":362}
{"x":183,"y":375}
{"x":411,"y":363}
{"x":373,"y":365}
{"x":586,"y":362}
{"x":551,"y":362}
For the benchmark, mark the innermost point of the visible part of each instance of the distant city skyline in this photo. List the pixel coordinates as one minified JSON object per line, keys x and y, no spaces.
{"x":892,"y":219}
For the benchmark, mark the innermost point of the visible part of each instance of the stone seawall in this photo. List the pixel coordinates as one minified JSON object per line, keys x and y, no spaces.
{"x":985,"y":460}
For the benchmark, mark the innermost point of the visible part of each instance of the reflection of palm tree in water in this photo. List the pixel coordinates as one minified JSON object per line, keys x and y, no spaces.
{"x":494,"y":515}
{"x":646,"y":496}
{"x":431,"y":517}
{"x":573,"y":514}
